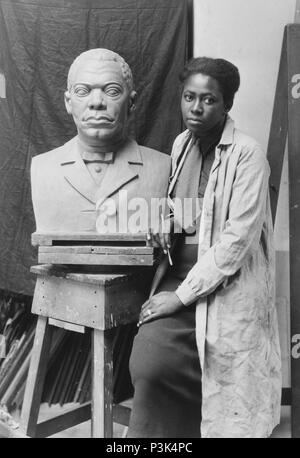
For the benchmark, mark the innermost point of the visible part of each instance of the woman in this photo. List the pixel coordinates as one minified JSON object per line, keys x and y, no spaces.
{"x":207,"y":352}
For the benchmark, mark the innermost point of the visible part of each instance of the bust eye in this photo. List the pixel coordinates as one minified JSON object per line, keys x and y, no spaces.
{"x":81,"y":91}
{"x":113,"y":91}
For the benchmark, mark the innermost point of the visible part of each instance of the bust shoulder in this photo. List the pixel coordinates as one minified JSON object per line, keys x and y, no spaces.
{"x":153,"y":156}
{"x":56,"y":154}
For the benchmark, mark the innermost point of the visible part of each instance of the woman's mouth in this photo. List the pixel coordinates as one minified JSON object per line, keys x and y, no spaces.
{"x":194,"y":121}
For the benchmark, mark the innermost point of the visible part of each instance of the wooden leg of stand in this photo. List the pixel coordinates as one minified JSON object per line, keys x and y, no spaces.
{"x":102,"y":384}
{"x":36,"y":376}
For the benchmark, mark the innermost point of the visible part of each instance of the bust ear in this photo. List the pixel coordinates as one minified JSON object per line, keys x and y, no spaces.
{"x":132,"y":100}
{"x":68,"y":102}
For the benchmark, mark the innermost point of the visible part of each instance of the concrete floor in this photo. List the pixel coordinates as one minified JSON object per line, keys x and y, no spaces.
{"x":283,"y":430}
{"x":84,"y":429}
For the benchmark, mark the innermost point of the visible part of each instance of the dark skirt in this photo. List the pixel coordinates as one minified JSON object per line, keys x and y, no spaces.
{"x":166,"y":376}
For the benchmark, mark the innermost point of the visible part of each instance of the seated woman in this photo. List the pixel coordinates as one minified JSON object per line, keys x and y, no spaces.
{"x":207,"y":357}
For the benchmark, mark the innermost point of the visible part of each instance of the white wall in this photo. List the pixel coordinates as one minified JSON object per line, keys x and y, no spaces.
{"x":249,"y":34}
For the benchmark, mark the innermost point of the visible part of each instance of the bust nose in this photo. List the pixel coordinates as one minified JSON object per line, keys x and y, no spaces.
{"x":96,"y":100}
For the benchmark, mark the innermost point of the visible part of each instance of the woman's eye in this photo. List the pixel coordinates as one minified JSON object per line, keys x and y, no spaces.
{"x":188,"y":97}
{"x":209,"y":100}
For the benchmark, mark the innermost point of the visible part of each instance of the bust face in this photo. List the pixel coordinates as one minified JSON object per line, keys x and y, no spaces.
{"x":100,"y":102}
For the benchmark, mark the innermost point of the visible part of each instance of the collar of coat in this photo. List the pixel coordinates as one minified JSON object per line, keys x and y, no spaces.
{"x":228,"y":132}
{"x":118,"y":174}
{"x":227,"y":139}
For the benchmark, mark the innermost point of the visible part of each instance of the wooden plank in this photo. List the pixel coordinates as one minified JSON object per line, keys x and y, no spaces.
{"x":81,"y":274}
{"x":68,"y":300}
{"x":96,"y":259}
{"x":93,"y":249}
{"x":87,"y":274}
{"x":123,"y":305}
{"x":36,"y":377}
{"x":99,"y":306}
{"x":90,"y":274}
{"x":50,"y":270}
{"x":278,"y":129}
{"x":294,"y":174}
{"x":102,"y":383}
{"x":68,"y":326}
{"x":110,"y":279}
{"x":64,"y":421}
{"x":49,"y":238}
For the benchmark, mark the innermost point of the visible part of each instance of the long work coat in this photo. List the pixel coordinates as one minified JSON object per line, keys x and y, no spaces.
{"x":233,"y":283}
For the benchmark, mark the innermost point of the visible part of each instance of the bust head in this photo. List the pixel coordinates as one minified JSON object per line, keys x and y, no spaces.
{"x":100,"y":97}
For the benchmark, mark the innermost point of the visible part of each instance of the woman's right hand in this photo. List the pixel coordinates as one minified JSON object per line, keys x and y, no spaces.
{"x":161,"y":236}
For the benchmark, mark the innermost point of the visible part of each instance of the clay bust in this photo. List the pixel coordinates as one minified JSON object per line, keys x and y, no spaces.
{"x":72,"y":184}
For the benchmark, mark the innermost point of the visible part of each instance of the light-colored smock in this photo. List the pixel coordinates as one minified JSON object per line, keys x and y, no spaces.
{"x":233,"y":283}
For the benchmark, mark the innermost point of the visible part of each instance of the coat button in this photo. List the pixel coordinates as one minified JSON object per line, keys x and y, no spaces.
{"x":98,"y":169}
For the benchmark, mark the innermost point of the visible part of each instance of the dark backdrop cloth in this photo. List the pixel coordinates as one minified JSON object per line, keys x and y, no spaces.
{"x":39,"y":39}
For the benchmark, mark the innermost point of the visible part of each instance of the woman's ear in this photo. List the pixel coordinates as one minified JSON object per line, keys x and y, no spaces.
{"x":228,"y":106}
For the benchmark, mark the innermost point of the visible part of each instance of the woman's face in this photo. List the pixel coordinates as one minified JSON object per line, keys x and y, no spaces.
{"x":202,"y":104}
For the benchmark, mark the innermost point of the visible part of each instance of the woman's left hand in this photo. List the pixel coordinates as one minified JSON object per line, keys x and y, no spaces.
{"x":161,"y":304}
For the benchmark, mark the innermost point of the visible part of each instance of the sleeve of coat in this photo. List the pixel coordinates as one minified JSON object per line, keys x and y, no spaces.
{"x":242,"y":231}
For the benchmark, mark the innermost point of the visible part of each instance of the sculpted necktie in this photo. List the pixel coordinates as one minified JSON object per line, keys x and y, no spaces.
{"x":105,"y":158}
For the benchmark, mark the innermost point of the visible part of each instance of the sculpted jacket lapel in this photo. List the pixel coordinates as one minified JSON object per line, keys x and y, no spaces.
{"x":76,"y":173}
{"x":121,"y":172}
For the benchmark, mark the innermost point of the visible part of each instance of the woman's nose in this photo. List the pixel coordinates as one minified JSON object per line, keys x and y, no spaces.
{"x":96,"y":100}
{"x":197,"y":107}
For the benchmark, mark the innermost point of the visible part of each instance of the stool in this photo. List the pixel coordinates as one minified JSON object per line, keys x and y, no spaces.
{"x":74,"y":299}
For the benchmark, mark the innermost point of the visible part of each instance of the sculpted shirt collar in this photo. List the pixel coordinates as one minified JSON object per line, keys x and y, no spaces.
{"x":129,"y":150}
{"x":88,"y":156}
{"x":118,"y":174}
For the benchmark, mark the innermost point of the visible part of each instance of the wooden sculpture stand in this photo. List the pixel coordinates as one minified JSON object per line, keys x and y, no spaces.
{"x":69,"y":298}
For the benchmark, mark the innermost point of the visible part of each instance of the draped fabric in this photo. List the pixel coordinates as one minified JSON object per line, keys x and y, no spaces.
{"x":39,"y":39}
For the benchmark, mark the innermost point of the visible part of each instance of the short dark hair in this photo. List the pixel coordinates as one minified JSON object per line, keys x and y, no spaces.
{"x":223,"y":71}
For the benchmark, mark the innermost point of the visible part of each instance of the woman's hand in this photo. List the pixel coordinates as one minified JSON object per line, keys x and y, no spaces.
{"x":161,"y":304}
{"x":162,"y":236}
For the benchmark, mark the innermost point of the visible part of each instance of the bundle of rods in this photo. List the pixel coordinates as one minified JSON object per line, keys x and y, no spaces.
{"x":68,"y":377}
